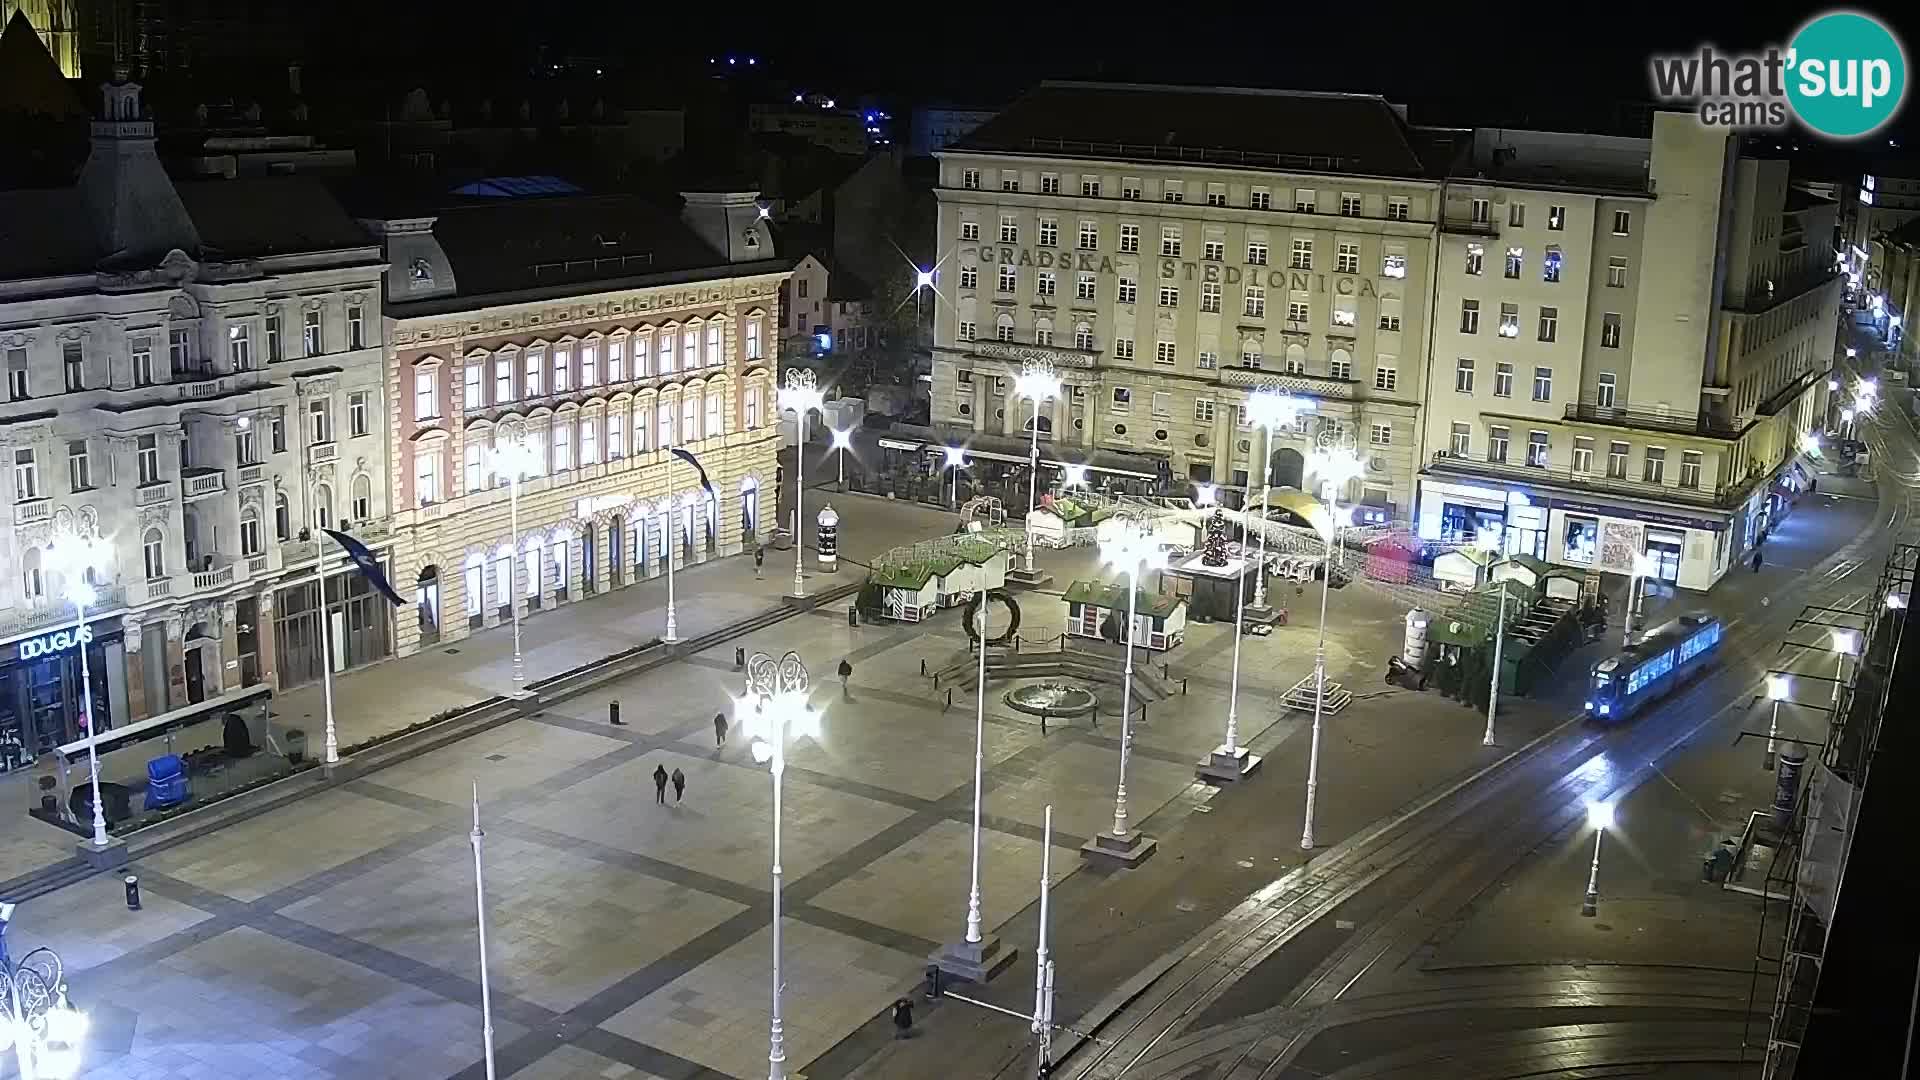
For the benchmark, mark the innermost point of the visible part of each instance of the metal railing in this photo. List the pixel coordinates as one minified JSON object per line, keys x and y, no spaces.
{"x":1702,"y":424}
{"x":1719,"y":496}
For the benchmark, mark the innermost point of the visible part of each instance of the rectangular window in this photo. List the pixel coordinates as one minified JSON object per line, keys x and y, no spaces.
{"x":1169,"y":296}
{"x":473,"y":391}
{"x":1550,"y":266}
{"x":1385,"y":378}
{"x":426,"y":476}
{"x":1463,"y":375}
{"x":1303,"y":200}
{"x":965,"y":331}
{"x":1129,"y":239}
{"x":1340,"y":369}
{"x":319,"y":421}
{"x":589,"y":365}
{"x":534,"y":362}
{"x":310,"y":338}
{"x":1003,"y":330}
{"x":1043,"y":334}
{"x":1164,"y":353}
{"x":1616,"y":271}
{"x":246,"y":446}
{"x":1622,"y":222}
{"x":1256,"y":302}
{"x":147,"y":459}
{"x":356,"y":327}
{"x":562,"y":446}
{"x":1203,"y":410}
{"x":142,"y":350}
{"x":1299,"y":313}
{"x":1603,"y":392}
{"x":276,"y":352}
{"x":1537,"y":449}
{"x":1389,"y":322}
{"x":502,"y":379}
{"x":1469,"y":316}
{"x":1516,"y":261}
{"x":1481,"y":211}
{"x":1398,"y":208}
{"x":1049,"y":183}
{"x":1129,"y":290}
{"x":425,"y":398}
{"x":1656,"y":465}
{"x":1476,"y":259}
{"x":17,"y":385}
{"x":1089,"y":187}
{"x":1214,"y":250}
{"x":1461,"y":444}
{"x":1210,"y":296}
{"x":1549,"y":323}
{"x":690,"y":348}
{"x":1250,"y":356}
{"x":26,"y":475}
{"x":1170,"y":241}
{"x":1089,"y":236}
{"x":1582,"y":454}
{"x":589,"y":440}
{"x":1497,"y":438}
{"x":1084,"y":287}
{"x":969,"y":230}
{"x":1610,"y":330}
{"x":1381,"y":435}
{"x":666,"y":413}
{"x":1083,"y":337}
{"x":1130,"y":188}
{"x":73,"y":365}
{"x":1617,"y":460}
{"x":1344,"y":313}
{"x":1216,"y":194}
{"x":1349,"y":204}
{"x":753,"y":341}
{"x":1009,"y":180}
{"x":1346,"y":259}
{"x":1502,"y":380}
{"x":1009,"y":229}
{"x":616,"y":434}
{"x":969,"y":277}
{"x":641,"y":350}
{"x":79,"y":467}
{"x":1690,"y":468}
{"x":1173,"y":191}
{"x":476,"y":467}
{"x":1123,"y":348}
{"x":277,"y":431}
{"x":1542,"y":384}
{"x":1260,"y":199}
{"x":1009,"y":279}
{"x":357,"y":412}
{"x":1556,"y":218}
{"x":1122,"y":399}
{"x":1044,"y":283}
{"x":1162,"y":406}
{"x":970,"y":179}
{"x":1303,"y":254}
{"x":1516,"y":215}
{"x":1207,"y":361}
{"x":1509,"y":320}
{"x":1257,"y":253}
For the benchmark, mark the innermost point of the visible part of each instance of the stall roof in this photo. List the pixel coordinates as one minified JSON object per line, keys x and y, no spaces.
{"x":915,"y":573}
{"x":1100,"y":594}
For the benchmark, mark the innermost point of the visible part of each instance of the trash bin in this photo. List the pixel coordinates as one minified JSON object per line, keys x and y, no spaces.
{"x":296,"y":746}
{"x":853,"y":615}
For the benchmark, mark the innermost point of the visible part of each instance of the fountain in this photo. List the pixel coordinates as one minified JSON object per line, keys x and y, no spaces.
{"x":1052,"y":699}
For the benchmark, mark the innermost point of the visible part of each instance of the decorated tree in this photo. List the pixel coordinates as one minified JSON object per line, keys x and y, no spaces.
{"x":1213,"y":549}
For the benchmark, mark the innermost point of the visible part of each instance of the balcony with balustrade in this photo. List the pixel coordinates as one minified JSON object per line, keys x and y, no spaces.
{"x":199,"y":482}
{"x":1317,"y":386}
{"x":1699,"y":425}
{"x":322,"y":453}
{"x":32,"y":511}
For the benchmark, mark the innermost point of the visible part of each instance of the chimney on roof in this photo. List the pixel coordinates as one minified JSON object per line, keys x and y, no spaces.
{"x":732,"y":223}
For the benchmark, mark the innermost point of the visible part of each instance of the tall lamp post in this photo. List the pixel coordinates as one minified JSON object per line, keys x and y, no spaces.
{"x":1132,"y":547}
{"x":1600,"y":816}
{"x":974,"y":957}
{"x":1230,"y":760}
{"x":1334,"y":464}
{"x":1644,"y":567}
{"x":1037,"y":383}
{"x":515,"y":459}
{"x":1778,"y":688}
{"x":1268,"y":408}
{"x":37,"y":1022}
{"x":74,"y":555}
{"x":775,"y":710}
{"x":956,"y":459}
{"x":842,"y":442}
{"x":1499,"y":636}
{"x":799,"y":396}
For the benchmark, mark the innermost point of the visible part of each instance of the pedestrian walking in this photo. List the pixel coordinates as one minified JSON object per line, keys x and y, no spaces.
{"x":660,"y":784}
{"x":719,"y":729}
{"x":902,"y":1018}
{"x":1756,"y":560}
{"x":759,"y":560}
{"x":846,"y":673}
{"x":679,"y":784}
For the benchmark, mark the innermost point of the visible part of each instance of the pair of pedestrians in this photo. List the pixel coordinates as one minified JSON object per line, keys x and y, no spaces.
{"x":660,"y":780}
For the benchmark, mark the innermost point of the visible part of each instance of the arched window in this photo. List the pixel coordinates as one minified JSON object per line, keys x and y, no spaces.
{"x":154,"y":554}
{"x":362,"y":498}
{"x":33,"y":583}
{"x":1043,"y":331}
{"x":323,"y":506}
{"x":1046,"y":425}
{"x":250,"y":544}
{"x":1003,"y":327}
{"x":282,"y":517}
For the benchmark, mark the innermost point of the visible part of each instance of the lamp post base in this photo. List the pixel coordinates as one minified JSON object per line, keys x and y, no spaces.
{"x":1590,"y":906}
{"x":974,"y":961}
{"x":1032,"y":578}
{"x":103,"y":858}
{"x":1126,"y":851}
{"x":1221,"y":767}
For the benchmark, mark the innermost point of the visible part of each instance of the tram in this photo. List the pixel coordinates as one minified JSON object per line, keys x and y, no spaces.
{"x":1639,"y":675}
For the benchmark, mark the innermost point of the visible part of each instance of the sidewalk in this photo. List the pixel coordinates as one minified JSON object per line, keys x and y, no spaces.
{"x":395,"y":694}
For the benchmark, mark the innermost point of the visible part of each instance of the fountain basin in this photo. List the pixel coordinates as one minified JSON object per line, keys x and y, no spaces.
{"x":1051,"y":699}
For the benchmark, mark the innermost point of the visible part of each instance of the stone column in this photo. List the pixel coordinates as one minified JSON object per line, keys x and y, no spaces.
{"x":229,"y":678}
{"x":263,"y":637}
{"x":131,"y":639}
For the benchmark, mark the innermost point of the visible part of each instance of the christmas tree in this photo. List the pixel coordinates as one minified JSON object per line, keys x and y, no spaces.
{"x":1213,"y":549}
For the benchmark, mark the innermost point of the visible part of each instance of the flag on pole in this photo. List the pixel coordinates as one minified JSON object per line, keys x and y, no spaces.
{"x":368,"y":563}
{"x":687,"y":456}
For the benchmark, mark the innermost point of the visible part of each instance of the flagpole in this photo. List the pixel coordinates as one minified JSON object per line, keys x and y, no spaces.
{"x":673,"y":526}
{"x":477,"y":837}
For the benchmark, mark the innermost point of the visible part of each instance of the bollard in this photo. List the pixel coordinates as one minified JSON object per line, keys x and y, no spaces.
{"x":133,"y":893}
{"x":613,"y":713}
{"x":853,"y":616}
{"x":739,"y":659}
{"x":949,"y":697}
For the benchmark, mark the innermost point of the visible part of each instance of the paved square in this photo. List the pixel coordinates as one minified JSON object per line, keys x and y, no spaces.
{"x":261,"y":856}
{"x":507,"y":759}
{"x":720,"y":828}
{"x":717,"y":1014}
{"x":88,"y":923}
{"x":563,"y":927}
{"x":920,"y":887}
{"x":920,"y":753}
{"x":573,"y":1063}
{"x":1079,"y":780}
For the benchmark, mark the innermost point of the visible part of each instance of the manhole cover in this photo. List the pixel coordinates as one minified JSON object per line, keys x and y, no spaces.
{"x":456,"y":652}
{"x":1245,"y":864}
{"x":1184,"y":905}
{"x":496,"y":757}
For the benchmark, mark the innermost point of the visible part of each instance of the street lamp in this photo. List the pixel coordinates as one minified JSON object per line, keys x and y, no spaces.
{"x":956,"y":459}
{"x":1809,"y":442}
{"x":516,"y":459}
{"x":842,"y":442}
{"x":1600,"y":816}
{"x":1230,"y":760}
{"x":1644,"y":567}
{"x":1206,"y":494}
{"x":800,"y":396}
{"x":1499,"y":637}
{"x":970,"y":955}
{"x":1036,"y":383}
{"x":1778,"y":687}
{"x":1844,"y":644}
{"x":774,"y":710}
{"x":1268,"y":407}
{"x":1133,"y":548}
{"x":1076,"y":477}
{"x":74,"y":556}
{"x":1334,"y":464}
{"x":45,"y":1031}
{"x":1846,"y":422}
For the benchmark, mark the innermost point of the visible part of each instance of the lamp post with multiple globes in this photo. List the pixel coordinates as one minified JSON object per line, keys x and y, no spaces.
{"x":1269,"y":408}
{"x":1037,"y":383}
{"x":75,"y":555}
{"x":800,"y":396}
{"x":1131,"y":546}
{"x":515,"y":459}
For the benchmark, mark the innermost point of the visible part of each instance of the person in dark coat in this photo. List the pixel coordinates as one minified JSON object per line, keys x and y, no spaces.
{"x":846,"y":673}
{"x":660,"y":784}
{"x":759,"y":559}
{"x":679,"y":784}
{"x":1756,"y":560}
{"x":902,"y":1017}
{"x":719,"y":729}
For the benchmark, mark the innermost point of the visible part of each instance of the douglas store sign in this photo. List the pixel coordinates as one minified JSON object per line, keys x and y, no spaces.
{"x":57,"y":642}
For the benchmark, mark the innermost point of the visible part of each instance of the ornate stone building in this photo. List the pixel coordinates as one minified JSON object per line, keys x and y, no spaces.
{"x":594,"y":333}
{"x":193,"y":375}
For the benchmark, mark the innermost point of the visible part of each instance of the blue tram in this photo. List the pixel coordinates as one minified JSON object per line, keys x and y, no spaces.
{"x":1641,"y":674}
